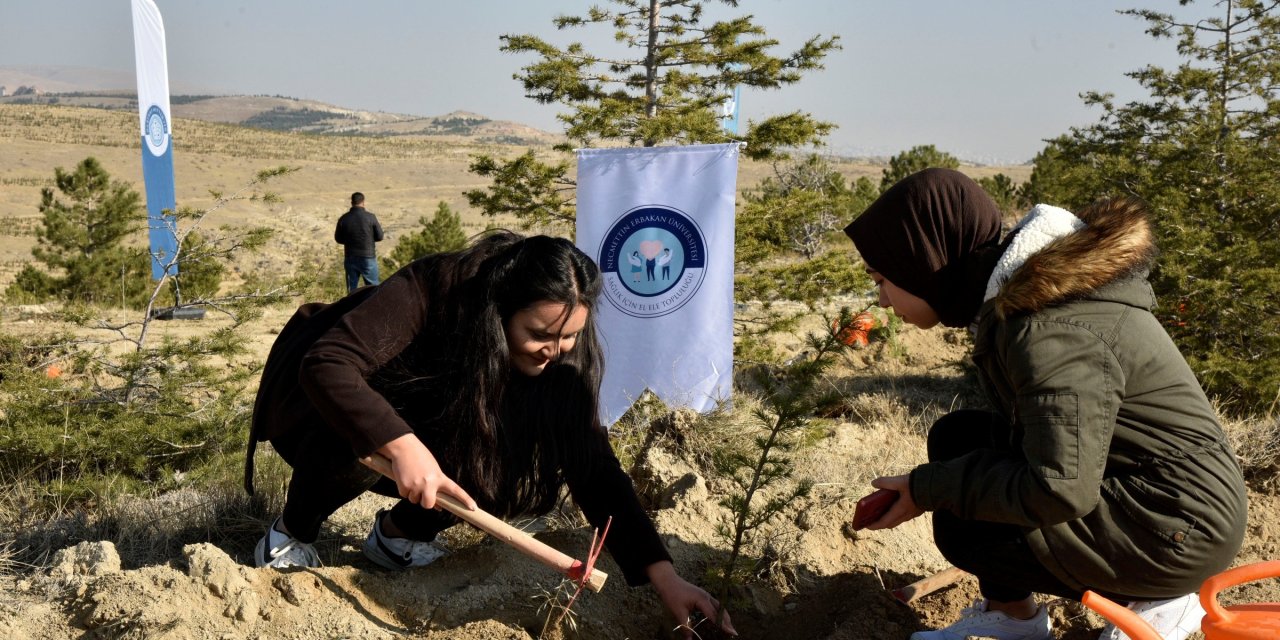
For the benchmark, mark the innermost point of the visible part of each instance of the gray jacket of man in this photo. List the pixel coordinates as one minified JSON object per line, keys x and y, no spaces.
{"x":1115,"y":463}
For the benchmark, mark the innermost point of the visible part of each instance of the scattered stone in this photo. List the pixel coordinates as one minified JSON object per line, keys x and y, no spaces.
{"x":803,"y":521}
{"x":225,"y":578}
{"x":688,"y":488}
{"x":294,"y":593}
{"x":86,"y":559}
{"x":29,"y":311}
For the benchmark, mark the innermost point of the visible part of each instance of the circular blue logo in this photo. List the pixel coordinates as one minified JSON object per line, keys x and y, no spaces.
{"x":653,"y":260}
{"x":157,"y":131}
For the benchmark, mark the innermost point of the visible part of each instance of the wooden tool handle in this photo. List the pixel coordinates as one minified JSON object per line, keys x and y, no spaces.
{"x":499,"y":529}
{"x":928,"y":585}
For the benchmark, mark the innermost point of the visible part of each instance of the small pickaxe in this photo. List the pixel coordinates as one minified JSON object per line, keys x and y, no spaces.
{"x":523,"y":542}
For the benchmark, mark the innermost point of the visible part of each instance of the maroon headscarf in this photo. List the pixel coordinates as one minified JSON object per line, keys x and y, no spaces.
{"x":935,"y":234}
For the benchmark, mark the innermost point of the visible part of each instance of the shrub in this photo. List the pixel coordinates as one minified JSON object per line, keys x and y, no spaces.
{"x":1003,"y":191}
{"x":439,"y":234}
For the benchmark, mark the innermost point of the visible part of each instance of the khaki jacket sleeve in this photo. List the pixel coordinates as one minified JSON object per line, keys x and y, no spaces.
{"x":1066,"y":385}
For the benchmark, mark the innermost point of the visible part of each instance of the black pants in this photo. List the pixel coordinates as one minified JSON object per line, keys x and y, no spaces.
{"x":996,"y":553}
{"x":327,"y":475}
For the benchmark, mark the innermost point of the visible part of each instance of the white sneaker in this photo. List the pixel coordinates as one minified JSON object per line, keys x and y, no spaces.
{"x":281,"y":551}
{"x":977,"y":621}
{"x":1173,"y":619}
{"x":398,"y":554}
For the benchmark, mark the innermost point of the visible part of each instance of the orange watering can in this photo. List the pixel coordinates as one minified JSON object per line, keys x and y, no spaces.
{"x":1238,"y":622}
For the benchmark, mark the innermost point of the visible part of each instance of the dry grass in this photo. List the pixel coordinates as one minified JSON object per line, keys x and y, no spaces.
{"x":1257,"y":444}
{"x":146,"y":529}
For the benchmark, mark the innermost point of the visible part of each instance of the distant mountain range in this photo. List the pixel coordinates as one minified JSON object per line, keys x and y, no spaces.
{"x":59,"y":79}
{"x":99,"y":88}
{"x":78,"y":86}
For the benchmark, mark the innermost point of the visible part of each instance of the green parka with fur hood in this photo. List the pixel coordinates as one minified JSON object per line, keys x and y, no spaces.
{"x":1114,"y":463}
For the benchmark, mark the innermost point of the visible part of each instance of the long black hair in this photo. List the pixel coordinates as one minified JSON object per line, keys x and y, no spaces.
{"x":507,"y":438}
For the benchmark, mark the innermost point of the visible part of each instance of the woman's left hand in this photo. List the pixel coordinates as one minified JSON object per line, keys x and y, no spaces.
{"x":686,"y":601}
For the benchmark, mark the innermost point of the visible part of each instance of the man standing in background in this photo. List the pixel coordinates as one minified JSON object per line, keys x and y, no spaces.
{"x":358,"y":231}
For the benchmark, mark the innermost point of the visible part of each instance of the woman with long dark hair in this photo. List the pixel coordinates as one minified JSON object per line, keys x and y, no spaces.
{"x":1100,"y":465}
{"x":476,"y":374}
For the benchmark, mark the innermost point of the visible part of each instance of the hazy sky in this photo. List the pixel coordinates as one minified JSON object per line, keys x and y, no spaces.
{"x":986,"y":80}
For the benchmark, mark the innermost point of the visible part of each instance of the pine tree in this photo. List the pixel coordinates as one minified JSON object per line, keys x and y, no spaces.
{"x":668,"y":85}
{"x":1203,"y":152}
{"x":439,"y":234}
{"x":200,"y":271}
{"x":795,"y":210}
{"x":85,"y":223}
{"x":1003,"y":191}
{"x":915,"y":159}
{"x":1062,"y":175}
{"x":788,"y":248}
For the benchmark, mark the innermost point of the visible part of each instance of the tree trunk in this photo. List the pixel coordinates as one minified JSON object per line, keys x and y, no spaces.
{"x":1224,"y":124}
{"x":651,"y":67}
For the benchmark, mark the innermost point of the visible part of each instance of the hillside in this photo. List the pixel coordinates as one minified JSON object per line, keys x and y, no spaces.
{"x":278,"y":113}
{"x":105,"y":89}
{"x":62,"y":79}
{"x":404,"y":176}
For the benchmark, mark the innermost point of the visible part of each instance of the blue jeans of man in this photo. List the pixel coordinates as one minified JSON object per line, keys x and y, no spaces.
{"x":359,"y":267}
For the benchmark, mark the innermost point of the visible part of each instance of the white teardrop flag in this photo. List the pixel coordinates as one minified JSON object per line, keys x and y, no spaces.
{"x":157,"y":136}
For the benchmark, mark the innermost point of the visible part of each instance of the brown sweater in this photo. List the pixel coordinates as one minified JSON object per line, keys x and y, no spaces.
{"x":319,"y":372}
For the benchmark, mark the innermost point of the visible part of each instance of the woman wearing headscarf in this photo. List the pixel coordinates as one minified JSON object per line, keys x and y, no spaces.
{"x":1102,"y":465}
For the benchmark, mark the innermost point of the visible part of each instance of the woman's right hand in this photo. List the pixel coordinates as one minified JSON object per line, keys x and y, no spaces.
{"x":903,"y":509}
{"x":417,"y":474}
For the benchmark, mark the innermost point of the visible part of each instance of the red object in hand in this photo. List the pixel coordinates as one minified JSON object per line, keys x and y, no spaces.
{"x":873,"y":507}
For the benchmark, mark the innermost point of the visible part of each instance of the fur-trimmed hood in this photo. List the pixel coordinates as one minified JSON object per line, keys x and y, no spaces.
{"x":1116,"y":241}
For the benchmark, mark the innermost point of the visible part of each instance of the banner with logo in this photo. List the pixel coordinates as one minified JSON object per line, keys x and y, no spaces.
{"x":157,"y":141}
{"x":659,"y":222}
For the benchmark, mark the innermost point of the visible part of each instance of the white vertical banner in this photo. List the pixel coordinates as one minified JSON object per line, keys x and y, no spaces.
{"x":152,"y":65}
{"x":659,"y":222}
